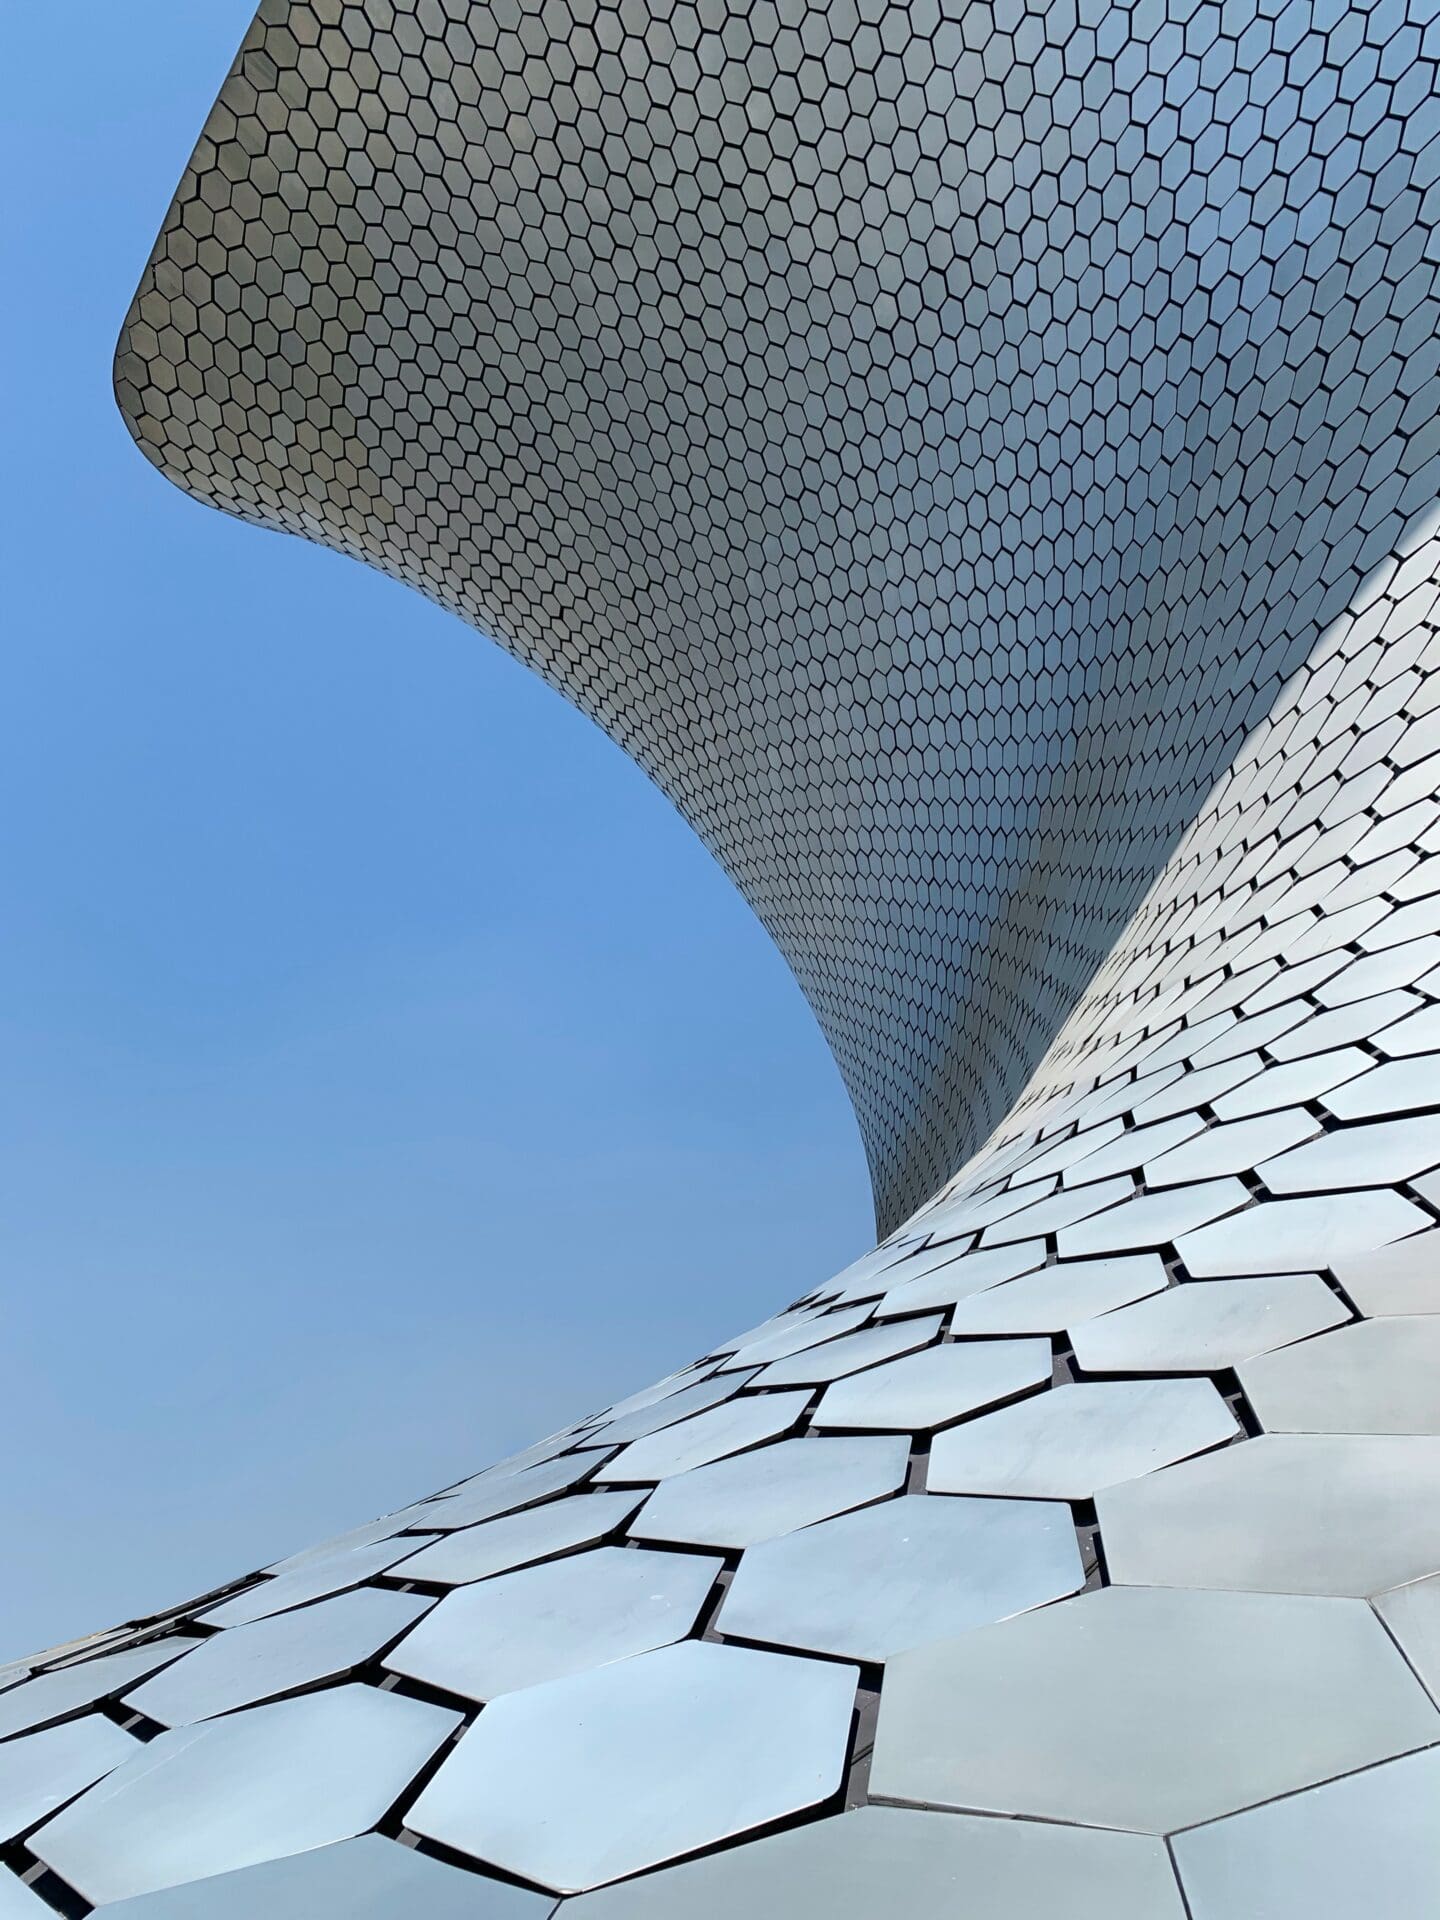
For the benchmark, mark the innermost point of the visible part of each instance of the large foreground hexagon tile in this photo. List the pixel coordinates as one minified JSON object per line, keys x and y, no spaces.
{"x":1380,"y":1376}
{"x":604,"y":1773}
{"x":893,"y":1863}
{"x":1362,"y":1848}
{"x":256,"y":1785}
{"x":1147,"y":1711}
{"x":1286,"y":1513}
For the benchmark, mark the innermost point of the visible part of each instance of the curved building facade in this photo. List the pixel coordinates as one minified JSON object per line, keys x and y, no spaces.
{"x":982,"y":462}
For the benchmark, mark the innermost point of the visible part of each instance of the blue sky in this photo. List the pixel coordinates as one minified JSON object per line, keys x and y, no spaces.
{"x":387,"y":1074}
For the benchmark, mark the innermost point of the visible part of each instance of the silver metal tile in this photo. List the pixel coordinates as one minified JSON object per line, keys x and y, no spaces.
{"x":790,"y":1333}
{"x":609,"y":1772}
{"x":333,"y":1573}
{"x":1419,"y":1033}
{"x":520,"y":1629}
{"x":910,"y":1864}
{"x":1343,"y":1025}
{"x":850,"y":1353}
{"x":1293,"y":1083}
{"x":1303,"y":1513}
{"x":41,"y":1771}
{"x":1153,"y":1219}
{"x":1412,"y":1615}
{"x":17,"y":1902}
{"x":1400,"y":1086}
{"x":1057,"y":1212}
{"x":1379,"y":1376}
{"x":275,"y":1655}
{"x":49,"y":1695}
{"x":957,"y":1280}
{"x":1352,"y":1849}
{"x":1382,"y":1154}
{"x":929,"y":1389}
{"x":1061,"y":1296}
{"x":490,"y":1495}
{"x":1066,"y":1444}
{"x":664,"y":1412}
{"x":1146,"y":1711}
{"x":772,"y":1490}
{"x":256,"y":1785}
{"x":515,"y":1539}
{"x":707,"y":1436}
{"x":868,"y":1584}
{"x":366,"y":1879}
{"x":1232,"y":1148}
{"x":1296,"y":1236}
{"x":1210,"y":1325}
{"x":1129,"y":1153}
{"x":1403,"y":1278}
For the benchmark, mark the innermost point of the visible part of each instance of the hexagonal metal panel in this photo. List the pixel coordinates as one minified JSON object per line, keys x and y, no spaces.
{"x":608,"y":1772}
{"x":1147,"y":1710}
{"x":892,"y":1576}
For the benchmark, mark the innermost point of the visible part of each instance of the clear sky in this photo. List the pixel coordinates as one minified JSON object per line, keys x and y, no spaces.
{"x":387,"y":1074}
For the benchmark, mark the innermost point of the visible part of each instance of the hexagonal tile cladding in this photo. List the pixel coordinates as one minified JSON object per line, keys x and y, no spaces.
{"x":771,"y":1490}
{"x":1059,"y":1297}
{"x":366,"y":1879}
{"x":1382,"y":1376}
{"x":1207,"y":1326}
{"x":926,"y":1390}
{"x":523,"y":1628}
{"x":49,"y":1695}
{"x":1293,"y":1236}
{"x":256,"y":1785}
{"x":607,"y":1772}
{"x":342,"y":332}
{"x":1354,"y":1849}
{"x":277,"y":1654}
{"x":852,"y":1352}
{"x":1147,"y":1710}
{"x":40,"y":1771}
{"x":1342,"y":1514}
{"x":326,"y":1574}
{"x":707,"y":1436}
{"x":1404,"y":1278}
{"x":666,"y":1411}
{"x":1065,"y":1444}
{"x":502,"y":1491}
{"x":904,"y":1572}
{"x":912,"y":1865}
{"x":515,"y":1539}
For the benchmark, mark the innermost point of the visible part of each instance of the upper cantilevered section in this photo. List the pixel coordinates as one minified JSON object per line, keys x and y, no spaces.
{"x":924,"y":436}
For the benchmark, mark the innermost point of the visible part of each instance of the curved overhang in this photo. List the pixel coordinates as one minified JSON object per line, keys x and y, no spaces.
{"x":924,"y":438}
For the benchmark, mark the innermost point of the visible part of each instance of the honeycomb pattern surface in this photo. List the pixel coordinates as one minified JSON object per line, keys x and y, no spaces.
{"x":924,"y":436}
{"x":981,"y":461}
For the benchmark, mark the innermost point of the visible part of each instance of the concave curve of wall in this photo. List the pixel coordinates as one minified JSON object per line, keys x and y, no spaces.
{"x":925,"y":438}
